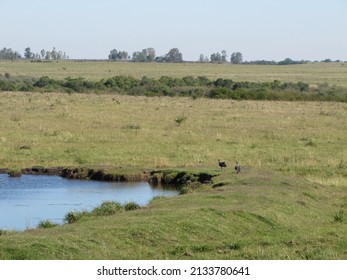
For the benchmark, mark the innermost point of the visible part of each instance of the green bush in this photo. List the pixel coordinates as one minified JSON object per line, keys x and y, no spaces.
{"x":107,"y":208}
{"x":185,"y":190}
{"x":15,"y":172}
{"x":73,"y":217}
{"x":46,"y":224}
{"x":186,"y":86}
{"x":131,"y":206}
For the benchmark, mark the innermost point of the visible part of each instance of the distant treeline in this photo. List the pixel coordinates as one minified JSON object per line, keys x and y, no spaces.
{"x":195,"y":87}
{"x":149,"y":55}
{"x":9,"y":54}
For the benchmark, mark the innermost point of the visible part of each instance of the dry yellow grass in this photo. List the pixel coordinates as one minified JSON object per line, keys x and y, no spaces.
{"x":312,"y":73}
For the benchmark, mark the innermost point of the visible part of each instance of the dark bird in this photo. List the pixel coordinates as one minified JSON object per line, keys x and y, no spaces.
{"x":222,"y":164}
{"x":237,"y":168}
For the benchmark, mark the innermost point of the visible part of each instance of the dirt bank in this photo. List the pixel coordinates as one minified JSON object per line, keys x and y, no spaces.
{"x":177,"y":178}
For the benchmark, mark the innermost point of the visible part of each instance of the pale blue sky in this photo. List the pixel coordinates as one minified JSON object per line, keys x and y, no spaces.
{"x":264,"y":29}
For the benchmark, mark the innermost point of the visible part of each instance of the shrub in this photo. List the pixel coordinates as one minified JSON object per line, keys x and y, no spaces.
{"x":179,"y":120}
{"x":107,"y":208}
{"x":73,"y":217}
{"x":15,"y":172}
{"x":220,"y":92}
{"x":46,"y":224}
{"x":339,"y":217}
{"x":131,"y":206}
{"x":185,"y":190}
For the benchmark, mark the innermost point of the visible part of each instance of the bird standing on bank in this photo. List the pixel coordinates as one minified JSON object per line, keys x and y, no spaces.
{"x":222,"y":164}
{"x":237,"y":168}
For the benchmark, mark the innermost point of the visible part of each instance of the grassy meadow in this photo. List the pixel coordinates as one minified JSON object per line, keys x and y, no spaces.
{"x":289,"y":201}
{"x":311,"y":73}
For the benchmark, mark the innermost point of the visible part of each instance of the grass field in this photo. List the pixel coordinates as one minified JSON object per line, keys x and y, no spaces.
{"x":289,"y":201}
{"x":311,"y":73}
{"x":306,"y":138}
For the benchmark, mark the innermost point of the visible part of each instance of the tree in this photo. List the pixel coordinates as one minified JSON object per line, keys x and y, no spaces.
{"x":9,"y":54}
{"x":27,"y":53}
{"x":174,"y":55}
{"x":123,"y":55}
{"x":43,"y":53}
{"x":54,"y":54}
{"x":115,"y":55}
{"x":140,"y":56}
{"x":236,"y":58}
{"x":48,"y":55}
{"x":203,"y":58}
{"x":146,"y":55}
{"x":224,"y":56}
{"x":216,"y":58}
{"x":150,"y":54}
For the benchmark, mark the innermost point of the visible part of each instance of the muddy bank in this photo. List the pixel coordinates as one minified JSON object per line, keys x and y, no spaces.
{"x":178,"y":178}
{"x":105,"y":175}
{"x":36,"y":170}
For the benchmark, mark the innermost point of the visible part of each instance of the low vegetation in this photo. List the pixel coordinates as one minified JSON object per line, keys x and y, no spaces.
{"x":14,"y":172}
{"x":311,"y":73}
{"x":46,"y":224}
{"x":107,"y":208}
{"x":188,"y":86}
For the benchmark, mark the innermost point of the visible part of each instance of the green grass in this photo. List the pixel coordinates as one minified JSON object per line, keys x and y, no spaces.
{"x":288,"y":202}
{"x":312,"y":73}
{"x":258,"y":215}
{"x":302,"y":138}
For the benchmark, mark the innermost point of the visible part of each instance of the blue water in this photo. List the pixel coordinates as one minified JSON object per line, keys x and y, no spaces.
{"x":27,"y":200}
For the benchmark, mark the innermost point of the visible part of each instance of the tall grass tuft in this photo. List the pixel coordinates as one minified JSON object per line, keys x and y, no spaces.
{"x":130,"y":206}
{"x":75,"y":216}
{"x":46,"y":224}
{"x":15,"y":172}
{"x":339,"y":217}
{"x":107,"y":208}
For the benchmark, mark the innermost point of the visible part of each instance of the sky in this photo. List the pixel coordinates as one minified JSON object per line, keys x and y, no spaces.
{"x":259,"y":29}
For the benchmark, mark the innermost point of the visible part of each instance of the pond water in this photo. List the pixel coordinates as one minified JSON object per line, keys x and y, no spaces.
{"x":27,"y":200}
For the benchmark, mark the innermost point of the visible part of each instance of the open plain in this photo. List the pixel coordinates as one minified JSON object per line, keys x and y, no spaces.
{"x":288,"y":202}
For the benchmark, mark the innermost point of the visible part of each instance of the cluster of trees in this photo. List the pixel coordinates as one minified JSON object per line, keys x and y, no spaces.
{"x":118,"y":55}
{"x":147,"y":55}
{"x":9,"y":54}
{"x":236,"y":58}
{"x":190,"y":86}
{"x":43,"y":54}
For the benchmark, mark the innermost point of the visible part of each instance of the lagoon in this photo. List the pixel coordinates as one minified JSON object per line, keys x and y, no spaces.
{"x":29,"y":199}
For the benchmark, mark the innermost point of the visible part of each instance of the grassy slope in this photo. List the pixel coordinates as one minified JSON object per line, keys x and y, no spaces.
{"x":313,"y":73}
{"x":258,"y":215}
